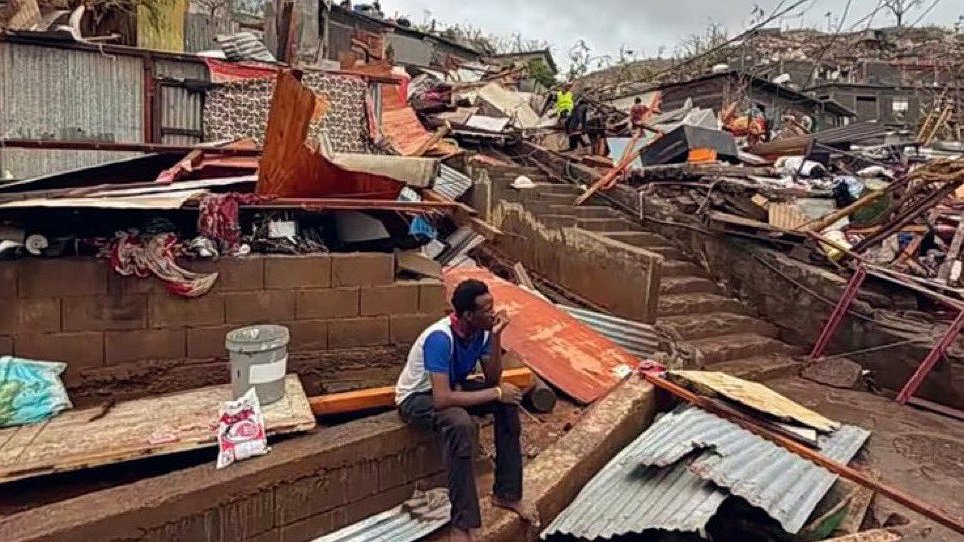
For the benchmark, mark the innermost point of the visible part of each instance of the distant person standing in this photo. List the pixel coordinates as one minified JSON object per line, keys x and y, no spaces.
{"x":638,"y":113}
{"x":565,"y":102}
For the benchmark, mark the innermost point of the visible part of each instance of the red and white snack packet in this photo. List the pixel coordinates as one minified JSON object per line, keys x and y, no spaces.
{"x":241,"y":431}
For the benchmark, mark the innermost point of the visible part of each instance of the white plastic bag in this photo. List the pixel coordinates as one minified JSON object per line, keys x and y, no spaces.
{"x":241,"y":432}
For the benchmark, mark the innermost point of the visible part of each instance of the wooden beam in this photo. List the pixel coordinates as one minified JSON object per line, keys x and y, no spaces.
{"x":897,"y":495}
{"x":371,"y":398}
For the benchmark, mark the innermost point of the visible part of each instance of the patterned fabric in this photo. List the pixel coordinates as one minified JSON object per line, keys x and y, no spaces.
{"x":240,"y":109}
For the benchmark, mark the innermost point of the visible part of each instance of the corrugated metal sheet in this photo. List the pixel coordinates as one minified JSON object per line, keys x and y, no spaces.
{"x":459,"y":244}
{"x":182,"y":114}
{"x":637,"y":338}
{"x":574,"y":358}
{"x":244,"y":46}
{"x":756,"y":396}
{"x":418,"y":517}
{"x":657,"y":483}
{"x":67,"y":94}
{"x":200,"y":30}
{"x":451,"y":182}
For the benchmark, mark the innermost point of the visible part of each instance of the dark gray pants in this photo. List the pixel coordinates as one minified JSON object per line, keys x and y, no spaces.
{"x":457,"y":431}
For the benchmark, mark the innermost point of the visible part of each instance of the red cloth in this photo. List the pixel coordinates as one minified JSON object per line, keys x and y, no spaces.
{"x":218,"y":217}
{"x":133,"y":256}
{"x":638,"y":113}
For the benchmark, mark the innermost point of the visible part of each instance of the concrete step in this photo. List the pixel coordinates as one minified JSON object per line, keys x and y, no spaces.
{"x":687,"y":285}
{"x":714,"y":350}
{"x":556,"y":199}
{"x":700,"y":326}
{"x":760,"y":368}
{"x":603,"y":225}
{"x":681,"y":268}
{"x":668,"y":252}
{"x":699,"y":303}
{"x":641,"y":239}
{"x":555,"y":188}
{"x":588,"y":211}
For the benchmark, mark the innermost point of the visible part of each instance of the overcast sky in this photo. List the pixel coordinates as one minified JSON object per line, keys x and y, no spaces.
{"x":640,"y":25}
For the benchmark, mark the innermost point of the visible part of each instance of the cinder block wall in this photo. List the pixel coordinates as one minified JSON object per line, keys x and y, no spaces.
{"x":79,"y":311}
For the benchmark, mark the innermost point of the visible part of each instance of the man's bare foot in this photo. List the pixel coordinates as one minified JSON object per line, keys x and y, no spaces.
{"x":524,"y":509}
{"x":459,"y":535}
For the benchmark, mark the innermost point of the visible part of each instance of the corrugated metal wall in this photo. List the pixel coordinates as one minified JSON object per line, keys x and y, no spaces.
{"x":182,"y":109}
{"x":67,"y":94}
{"x":200,"y":30}
{"x":60,"y":93}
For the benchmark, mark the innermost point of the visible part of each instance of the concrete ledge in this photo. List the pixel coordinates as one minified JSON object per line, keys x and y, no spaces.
{"x":304,"y":487}
{"x":554,"y":478}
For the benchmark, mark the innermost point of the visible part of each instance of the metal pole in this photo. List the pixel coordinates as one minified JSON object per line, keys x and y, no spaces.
{"x":853,"y":287}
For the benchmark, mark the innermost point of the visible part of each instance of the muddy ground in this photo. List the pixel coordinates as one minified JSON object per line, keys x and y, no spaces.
{"x":915,"y":450}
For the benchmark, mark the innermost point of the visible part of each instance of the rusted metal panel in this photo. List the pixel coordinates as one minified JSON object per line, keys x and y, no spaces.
{"x":756,"y":396}
{"x":50,"y":92}
{"x":569,"y":355}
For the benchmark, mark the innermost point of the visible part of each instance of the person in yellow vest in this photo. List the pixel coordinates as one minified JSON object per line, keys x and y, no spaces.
{"x":565,"y":101}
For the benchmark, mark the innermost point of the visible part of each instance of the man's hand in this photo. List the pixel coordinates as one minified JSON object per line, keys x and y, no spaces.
{"x":501,"y":322}
{"x":511,"y":395}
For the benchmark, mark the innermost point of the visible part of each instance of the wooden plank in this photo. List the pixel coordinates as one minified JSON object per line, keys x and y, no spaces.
{"x":371,"y":398}
{"x":135,"y":429}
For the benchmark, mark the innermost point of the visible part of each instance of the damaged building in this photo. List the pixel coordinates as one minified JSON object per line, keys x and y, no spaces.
{"x":733,"y":313}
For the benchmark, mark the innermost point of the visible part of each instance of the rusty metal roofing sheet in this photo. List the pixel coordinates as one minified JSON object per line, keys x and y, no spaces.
{"x":575,"y":358}
{"x":421,"y":515}
{"x":637,"y":338}
{"x":756,"y":396}
{"x":451,"y":182}
{"x":634,"y":492}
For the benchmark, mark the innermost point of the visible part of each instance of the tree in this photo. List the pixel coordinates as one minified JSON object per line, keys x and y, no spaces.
{"x":900,"y":8}
{"x":541,"y":73}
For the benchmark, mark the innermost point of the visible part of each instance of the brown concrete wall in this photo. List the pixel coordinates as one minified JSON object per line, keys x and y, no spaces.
{"x":303,"y":488}
{"x":105,"y":326}
{"x":620,"y":277}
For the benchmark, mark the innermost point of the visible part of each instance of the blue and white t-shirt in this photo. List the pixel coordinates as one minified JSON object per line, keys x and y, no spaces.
{"x":438,"y":350}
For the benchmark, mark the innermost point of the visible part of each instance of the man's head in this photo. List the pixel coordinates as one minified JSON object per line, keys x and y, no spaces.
{"x":474,"y":305}
{"x":638,"y":100}
{"x":567,"y":86}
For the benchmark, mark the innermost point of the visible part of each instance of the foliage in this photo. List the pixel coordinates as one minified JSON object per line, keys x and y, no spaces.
{"x":541,"y":73}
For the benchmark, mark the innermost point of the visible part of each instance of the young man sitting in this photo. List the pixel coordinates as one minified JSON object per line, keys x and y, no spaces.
{"x":435,"y":393}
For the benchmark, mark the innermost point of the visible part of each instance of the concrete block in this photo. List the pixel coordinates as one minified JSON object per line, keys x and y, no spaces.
{"x":208,"y":341}
{"x":78,"y":350}
{"x":62,"y":277}
{"x":396,"y":298}
{"x":109,"y":312}
{"x":243,"y":273}
{"x":362,"y":269}
{"x":143,"y":344}
{"x":285,"y":272}
{"x":431,"y":297}
{"x":327,"y":303}
{"x":245,"y":518}
{"x":358,"y":332}
{"x":268,"y":306}
{"x":8,"y":280}
{"x":167,"y":310}
{"x":31,"y":315}
{"x":307,"y":335}
{"x":405,"y":328}
{"x":121,"y":285}
{"x":324,"y":491}
{"x":6,"y":346}
{"x":312,"y":527}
